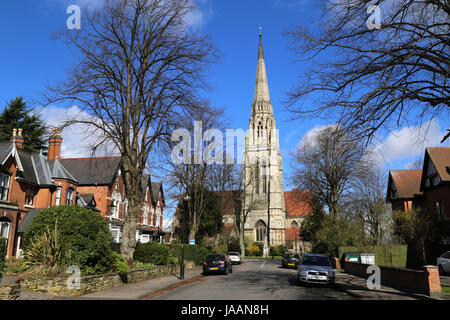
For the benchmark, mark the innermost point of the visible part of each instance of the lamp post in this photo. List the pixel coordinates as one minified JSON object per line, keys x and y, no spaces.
{"x":187,"y":198}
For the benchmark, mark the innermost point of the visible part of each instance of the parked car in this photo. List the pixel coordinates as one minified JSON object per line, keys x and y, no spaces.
{"x":443,"y":263}
{"x":235,"y":257}
{"x":290,"y":260}
{"x":315,"y":268}
{"x":217,"y":263}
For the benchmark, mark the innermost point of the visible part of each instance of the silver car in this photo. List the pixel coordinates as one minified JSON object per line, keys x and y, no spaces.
{"x":443,"y":263}
{"x":315,"y":268}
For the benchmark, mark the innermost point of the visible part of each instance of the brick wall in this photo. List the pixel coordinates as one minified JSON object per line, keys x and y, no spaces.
{"x":424,"y":281}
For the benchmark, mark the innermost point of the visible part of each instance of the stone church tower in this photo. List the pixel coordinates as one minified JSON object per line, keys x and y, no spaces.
{"x":263,"y":170}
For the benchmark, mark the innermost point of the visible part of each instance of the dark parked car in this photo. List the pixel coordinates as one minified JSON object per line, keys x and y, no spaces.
{"x":315,"y":268}
{"x":217,"y":263}
{"x":290,"y":260}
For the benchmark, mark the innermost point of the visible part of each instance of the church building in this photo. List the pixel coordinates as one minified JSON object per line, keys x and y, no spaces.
{"x":270,"y":219}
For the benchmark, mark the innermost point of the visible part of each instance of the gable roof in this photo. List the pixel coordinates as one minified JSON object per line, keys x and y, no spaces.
{"x":91,"y":171}
{"x":297,"y":203}
{"x":157,"y":191}
{"x":440,"y":157}
{"x":407,"y":183}
{"x":58,"y":171}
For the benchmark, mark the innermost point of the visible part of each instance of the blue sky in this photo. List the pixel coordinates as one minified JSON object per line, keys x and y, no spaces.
{"x":29,"y":59}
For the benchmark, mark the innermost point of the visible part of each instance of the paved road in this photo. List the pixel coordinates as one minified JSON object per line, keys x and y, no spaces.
{"x":252,"y":280}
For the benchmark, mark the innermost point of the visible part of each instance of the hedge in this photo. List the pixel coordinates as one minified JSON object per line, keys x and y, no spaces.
{"x":152,"y":252}
{"x":398,"y":252}
{"x":194,"y":253}
{"x":2,"y":255}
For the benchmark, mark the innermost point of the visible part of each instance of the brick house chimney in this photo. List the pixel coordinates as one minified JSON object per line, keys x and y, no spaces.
{"x":17,"y":138}
{"x":54,"y":144}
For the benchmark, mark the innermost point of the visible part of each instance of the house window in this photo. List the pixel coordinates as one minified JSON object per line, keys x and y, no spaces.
{"x":116,"y":198}
{"x":432,"y":177}
{"x":69,"y":198}
{"x":440,"y":210}
{"x":29,"y":196}
{"x":4,"y":229}
{"x":145,"y":215}
{"x":4,"y":186}
{"x":58,"y":196}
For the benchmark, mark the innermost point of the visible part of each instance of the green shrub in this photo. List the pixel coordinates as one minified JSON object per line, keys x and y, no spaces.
{"x":220,"y":249}
{"x":261,"y":249}
{"x":84,"y":237}
{"x":45,"y":250}
{"x":233,"y":245}
{"x":282,"y":249}
{"x":152,"y":252}
{"x":141,"y":265}
{"x":173,"y":260}
{"x":120,"y":265}
{"x":274,"y":250}
{"x":2,"y":255}
{"x":194,"y":253}
{"x":253,"y":251}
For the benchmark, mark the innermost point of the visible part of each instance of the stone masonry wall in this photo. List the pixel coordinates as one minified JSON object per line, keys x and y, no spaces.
{"x":95,"y":283}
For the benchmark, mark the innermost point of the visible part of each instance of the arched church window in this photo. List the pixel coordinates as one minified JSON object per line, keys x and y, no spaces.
{"x":260,"y":129}
{"x":257,"y":177}
{"x":260,"y":231}
{"x":264,"y":177}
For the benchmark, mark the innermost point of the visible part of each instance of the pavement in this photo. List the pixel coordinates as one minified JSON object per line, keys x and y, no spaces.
{"x":357,"y":287}
{"x":139,"y":290}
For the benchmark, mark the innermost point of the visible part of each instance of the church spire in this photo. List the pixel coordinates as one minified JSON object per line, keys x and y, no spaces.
{"x":261,"y":85}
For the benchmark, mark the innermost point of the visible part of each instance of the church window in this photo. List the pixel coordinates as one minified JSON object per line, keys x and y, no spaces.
{"x":260,"y":130}
{"x":264,"y":177}
{"x":260,"y":231}
{"x":257,"y":177}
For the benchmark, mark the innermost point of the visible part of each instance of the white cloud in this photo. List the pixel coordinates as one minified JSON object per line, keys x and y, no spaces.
{"x":410,"y":141}
{"x":167,"y":224}
{"x":78,"y":138}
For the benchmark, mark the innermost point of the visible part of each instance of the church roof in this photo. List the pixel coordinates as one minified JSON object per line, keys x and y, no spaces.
{"x":261,"y":85}
{"x":297,"y":203}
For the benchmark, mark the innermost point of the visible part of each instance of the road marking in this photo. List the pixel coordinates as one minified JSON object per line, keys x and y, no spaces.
{"x":264,"y":263}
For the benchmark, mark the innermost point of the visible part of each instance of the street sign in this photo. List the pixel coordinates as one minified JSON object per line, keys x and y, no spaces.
{"x":191,"y":241}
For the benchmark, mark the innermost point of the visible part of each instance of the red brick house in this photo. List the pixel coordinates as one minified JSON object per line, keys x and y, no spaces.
{"x":403,"y":185}
{"x":30,"y":182}
{"x":428,"y":188}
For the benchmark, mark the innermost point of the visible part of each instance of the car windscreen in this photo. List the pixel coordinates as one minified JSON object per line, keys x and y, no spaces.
{"x":316,"y":261}
{"x":292,"y":255}
{"x":210,"y":259}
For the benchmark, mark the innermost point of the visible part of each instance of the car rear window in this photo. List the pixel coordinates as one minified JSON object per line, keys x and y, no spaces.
{"x":292,"y":255}
{"x":316,"y":261}
{"x":215,"y":258}
{"x":233,"y":254}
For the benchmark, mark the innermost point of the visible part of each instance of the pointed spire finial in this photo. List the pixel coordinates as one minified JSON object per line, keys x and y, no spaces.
{"x":260,"y":31}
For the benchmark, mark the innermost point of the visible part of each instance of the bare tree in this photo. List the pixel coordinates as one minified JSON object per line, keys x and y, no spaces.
{"x":372,"y":75}
{"x":139,"y":68}
{"x":192,"y":177}
{"x":367,"y":201}
{"x":326,"y":163}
